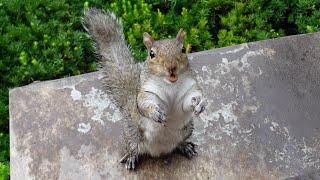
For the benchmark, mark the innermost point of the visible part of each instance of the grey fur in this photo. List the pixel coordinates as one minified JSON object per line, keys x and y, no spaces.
{"x":188,"y":130}
{"x":131,"y":138}
{"x":121,"y":74}
{"x":122,"y":81}
{"x":187,"y":149}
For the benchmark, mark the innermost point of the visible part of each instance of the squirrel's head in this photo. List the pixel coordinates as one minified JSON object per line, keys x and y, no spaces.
{"x":167,"y":57}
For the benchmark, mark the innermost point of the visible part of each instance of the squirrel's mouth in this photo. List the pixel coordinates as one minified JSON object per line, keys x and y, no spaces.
{"x":172,"y":78}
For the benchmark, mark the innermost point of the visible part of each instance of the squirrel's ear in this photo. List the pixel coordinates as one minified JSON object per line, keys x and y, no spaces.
{"x":181,"y":35}
{"x":147,"y":40}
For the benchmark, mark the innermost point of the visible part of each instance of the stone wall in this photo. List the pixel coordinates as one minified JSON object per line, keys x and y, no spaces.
{"x":262,"y":120}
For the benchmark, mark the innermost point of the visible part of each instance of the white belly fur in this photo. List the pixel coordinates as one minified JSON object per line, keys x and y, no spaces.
{"x":159,"y":139}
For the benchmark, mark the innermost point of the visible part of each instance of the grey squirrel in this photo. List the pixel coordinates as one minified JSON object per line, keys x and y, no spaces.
{"x":156,"y":98}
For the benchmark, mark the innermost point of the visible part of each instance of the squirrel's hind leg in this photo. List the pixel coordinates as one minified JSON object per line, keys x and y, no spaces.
{"x":185,"y":148}
{"x":132,"y":137}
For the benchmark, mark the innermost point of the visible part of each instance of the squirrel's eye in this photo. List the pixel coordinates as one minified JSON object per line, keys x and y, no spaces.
{"x":183,"y":50}
{"x":152,"y":54}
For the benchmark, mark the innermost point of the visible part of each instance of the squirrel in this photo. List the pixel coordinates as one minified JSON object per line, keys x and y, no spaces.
{"x":157,"y":98}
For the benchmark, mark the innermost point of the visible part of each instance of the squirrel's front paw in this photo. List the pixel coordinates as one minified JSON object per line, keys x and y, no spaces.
{"x":158,"y":115}
{"x":198,"y":104}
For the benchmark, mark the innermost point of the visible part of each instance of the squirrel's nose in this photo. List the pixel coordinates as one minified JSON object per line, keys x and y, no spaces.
{"x":172,"y":69}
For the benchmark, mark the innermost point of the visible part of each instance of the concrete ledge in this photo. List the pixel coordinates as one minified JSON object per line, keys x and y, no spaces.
{"x":262,"y":121}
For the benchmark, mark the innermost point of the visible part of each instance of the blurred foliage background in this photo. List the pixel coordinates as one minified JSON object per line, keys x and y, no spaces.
{"x":44,"y":39}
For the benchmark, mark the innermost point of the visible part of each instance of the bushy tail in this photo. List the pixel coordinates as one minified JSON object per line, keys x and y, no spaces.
{"x":121,"y":74}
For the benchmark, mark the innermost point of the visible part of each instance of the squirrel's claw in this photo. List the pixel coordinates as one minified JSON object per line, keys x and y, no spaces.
{"x":124,"y":158}
{"x":187,"y":149}
{"x":198,"y":105}
{"x":131,"y":162}
{"x":159,"y":116}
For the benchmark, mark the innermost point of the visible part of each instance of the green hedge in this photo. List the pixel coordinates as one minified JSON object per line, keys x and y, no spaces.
{"x":44,"y":39}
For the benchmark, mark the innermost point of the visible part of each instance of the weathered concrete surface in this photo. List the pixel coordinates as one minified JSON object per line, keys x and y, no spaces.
{"x":262,"y":121}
